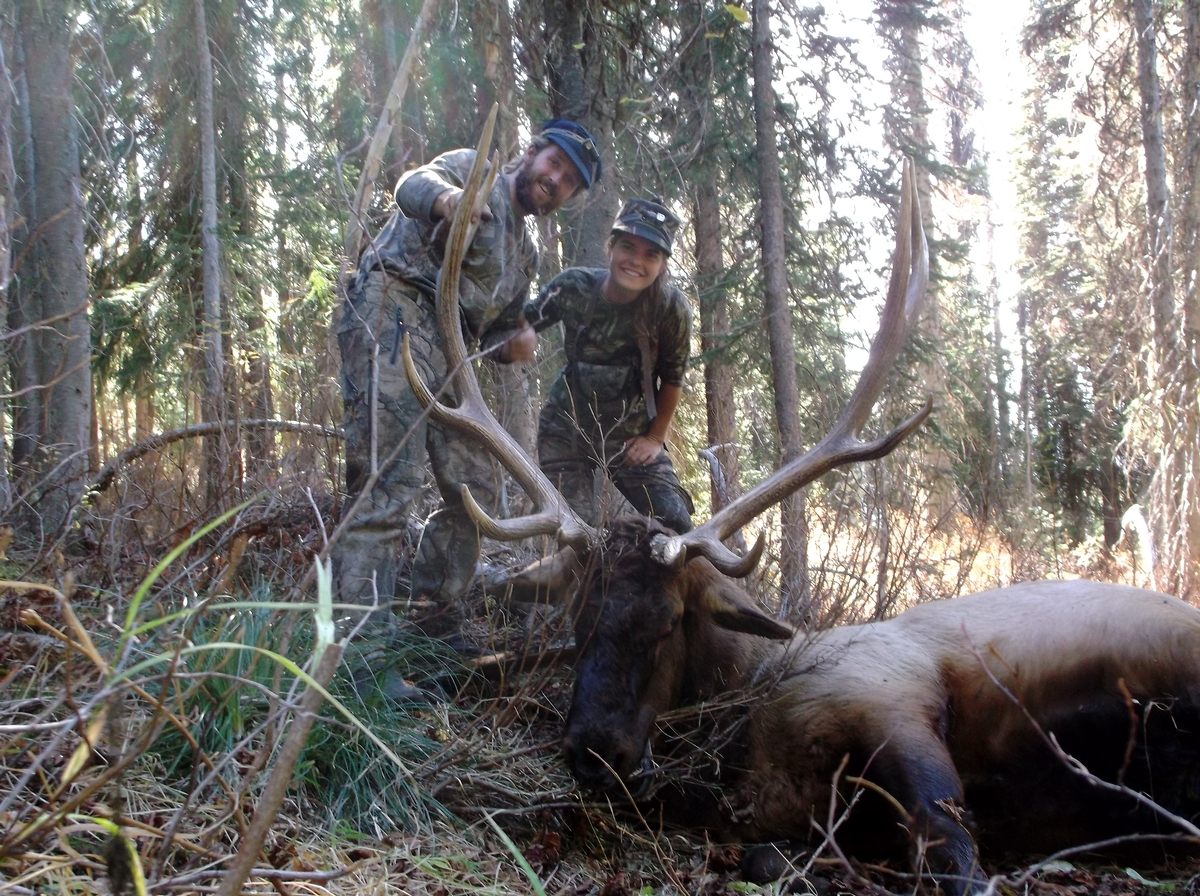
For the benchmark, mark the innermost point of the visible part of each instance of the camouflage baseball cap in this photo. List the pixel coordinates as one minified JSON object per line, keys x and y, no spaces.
{"x":649,"y":219}
{"x":575,"y":140}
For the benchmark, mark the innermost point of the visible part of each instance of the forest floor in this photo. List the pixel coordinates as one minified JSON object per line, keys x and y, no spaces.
{"x":459,"y":788}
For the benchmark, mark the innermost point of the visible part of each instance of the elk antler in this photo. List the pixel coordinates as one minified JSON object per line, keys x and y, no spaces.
{"x":472,"y":416}
{"x":906,"y":292}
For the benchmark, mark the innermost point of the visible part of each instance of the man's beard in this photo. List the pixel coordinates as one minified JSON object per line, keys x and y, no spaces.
{"x":528,"y":194}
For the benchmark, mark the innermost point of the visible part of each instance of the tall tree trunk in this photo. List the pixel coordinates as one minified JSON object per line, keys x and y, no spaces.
{"x":1175,"y":498}
{"x":797,"y":601}
{"x":1158,"y":197}
{"x":574,"y":62}
{"x":1004,"y":438}
{"x":695,"y":87}
{"x":213,"y":405}
{"x":714,"y":334}
{"x":253,"y":395}
{"x":907,"y":130}
{"x":1190,"y":183}
{"x":23,"y":310}
{"x":495,"y":37}
{"x":508,"y":389}
{"x":1190,"y":227}
{"x":8,"y":213}
{"x":54,"y":271}
{"x":357,"y":237}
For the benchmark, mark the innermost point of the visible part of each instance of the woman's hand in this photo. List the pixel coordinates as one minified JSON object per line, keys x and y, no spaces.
{"x":641,"y":450}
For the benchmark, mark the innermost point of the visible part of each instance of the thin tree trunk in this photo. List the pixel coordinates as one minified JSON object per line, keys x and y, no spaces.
{"x":1190,"y":224}
{"x":695,"y":87}
{"x":576,"y":92}
{"x":1158,"y":197}
{"x":907,"y":124}
{"x":1170,"y":499}
{"x":797,"y":601}
{"x":714,"y":333}
{"x":1190,"y":363}
{"x":55,"y":269}
{"x":253,"y":394}
{"x":22,"y":308}
{"x":1004,"y":438}
{"x":357,"y":238}
{"x":499,"y":67}
{"x":213,"y":405}
{"x":8,"y":209}
{"x":1175,"y":496}
{"x":507,"y":386}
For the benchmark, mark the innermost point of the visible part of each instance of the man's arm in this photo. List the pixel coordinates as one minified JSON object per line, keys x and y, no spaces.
{"x":432,"y":192}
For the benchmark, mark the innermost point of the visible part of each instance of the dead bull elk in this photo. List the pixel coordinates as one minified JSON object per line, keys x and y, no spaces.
{"x":943,"y":717}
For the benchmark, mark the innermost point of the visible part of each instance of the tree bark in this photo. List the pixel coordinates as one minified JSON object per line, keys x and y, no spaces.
{"x":507,"y":387}
{"x":23,"y":312}
{"x":574,"y":65}
{"x":701,"y":171}
{"x":8,"y":209}
{"x":54,"y":274}
{"x":1175,"y":496}
{"x":1158,"y":196}
{"x":247,"y":348}
{"x":1190,"y":224}
{"x":796,"y":598}
{"x":213,"y":405}
{"x":719,"y":398}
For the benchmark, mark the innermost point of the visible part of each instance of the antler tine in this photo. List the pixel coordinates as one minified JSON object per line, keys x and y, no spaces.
{"x":906,"y":293}
{"x":472,"y":416}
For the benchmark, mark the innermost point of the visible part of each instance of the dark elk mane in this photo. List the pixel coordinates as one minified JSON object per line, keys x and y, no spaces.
{"x":627,"y":547}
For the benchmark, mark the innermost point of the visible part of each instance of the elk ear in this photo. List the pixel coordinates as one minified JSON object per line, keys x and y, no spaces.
{"x":734,"y":612}
{"x":551,"y":580}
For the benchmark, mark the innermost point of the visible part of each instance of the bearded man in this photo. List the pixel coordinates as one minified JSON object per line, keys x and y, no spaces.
{"x":393,"y":292}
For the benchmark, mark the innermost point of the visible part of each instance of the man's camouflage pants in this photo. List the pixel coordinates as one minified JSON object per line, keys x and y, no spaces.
{"x":384,"y":419}
{"x":570,"y":459}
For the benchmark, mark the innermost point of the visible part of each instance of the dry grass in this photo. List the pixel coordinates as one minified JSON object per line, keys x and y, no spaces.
{"x":178,"y":750}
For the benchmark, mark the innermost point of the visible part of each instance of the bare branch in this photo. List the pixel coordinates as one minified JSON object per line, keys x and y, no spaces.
{"x":108,"y":472}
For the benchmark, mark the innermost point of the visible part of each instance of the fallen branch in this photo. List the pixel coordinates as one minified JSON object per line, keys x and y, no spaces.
{"x":108,"y":472}
{"x":271,"y":800}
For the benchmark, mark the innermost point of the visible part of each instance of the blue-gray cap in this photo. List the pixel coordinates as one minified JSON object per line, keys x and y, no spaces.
{"x":649,"y":219}
{"x":575,"y":140}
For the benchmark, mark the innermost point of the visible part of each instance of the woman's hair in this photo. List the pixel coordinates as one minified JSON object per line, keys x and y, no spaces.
{"x":654,"y":292}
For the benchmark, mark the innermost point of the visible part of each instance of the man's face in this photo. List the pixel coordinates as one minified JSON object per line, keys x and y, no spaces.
{"x":545,"y":180}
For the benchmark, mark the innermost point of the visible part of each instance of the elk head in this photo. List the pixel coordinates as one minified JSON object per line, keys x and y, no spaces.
{"x":655,"y":600}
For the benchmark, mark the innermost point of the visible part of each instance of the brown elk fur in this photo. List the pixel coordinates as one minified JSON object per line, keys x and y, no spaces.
{"x":933,"y":706}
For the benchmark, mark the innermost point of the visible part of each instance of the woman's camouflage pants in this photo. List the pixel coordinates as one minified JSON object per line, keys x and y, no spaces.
{"x":571,"y":459}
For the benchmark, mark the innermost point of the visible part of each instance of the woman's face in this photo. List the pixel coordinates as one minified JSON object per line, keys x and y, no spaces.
{"x":634,"y":263}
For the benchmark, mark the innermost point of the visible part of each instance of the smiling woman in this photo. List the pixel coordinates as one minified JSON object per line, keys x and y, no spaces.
{"x":634,"y":264}
{"x":626,"y":333}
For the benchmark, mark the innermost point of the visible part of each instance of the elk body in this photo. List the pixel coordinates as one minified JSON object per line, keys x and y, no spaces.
{"x":937,"y":713}
{"x":947,"y":708}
